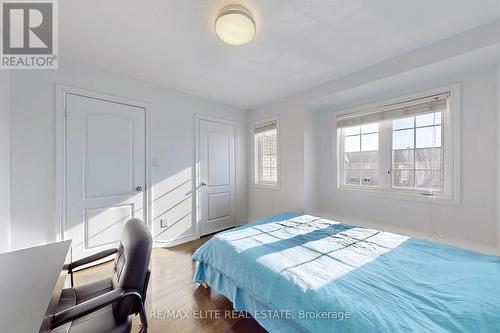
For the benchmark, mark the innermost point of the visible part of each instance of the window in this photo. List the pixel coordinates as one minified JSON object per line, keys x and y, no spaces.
{"x":405,"y":147}
{"x":266,"y":154}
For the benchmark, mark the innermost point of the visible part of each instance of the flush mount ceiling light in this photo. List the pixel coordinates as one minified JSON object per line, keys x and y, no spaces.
{"x":235,"y":26}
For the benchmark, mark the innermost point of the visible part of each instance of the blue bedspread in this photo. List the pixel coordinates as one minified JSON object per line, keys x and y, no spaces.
{"x":356,"y":279}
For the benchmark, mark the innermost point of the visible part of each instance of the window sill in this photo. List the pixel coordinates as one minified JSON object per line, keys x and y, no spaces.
{"x":267,"y":186}
{"x":407,"y":196}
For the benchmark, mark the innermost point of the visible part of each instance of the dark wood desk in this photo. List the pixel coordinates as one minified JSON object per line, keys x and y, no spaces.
{"x":31,"y":282}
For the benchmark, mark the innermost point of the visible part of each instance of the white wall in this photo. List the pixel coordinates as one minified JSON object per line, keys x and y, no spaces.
{"x":311,"y":159}
{"x":290,"y":196}
{"x":471,"y":224}
{"x":4,"y":162}
{"x":172,"y":144}
{"x":498,"y":157}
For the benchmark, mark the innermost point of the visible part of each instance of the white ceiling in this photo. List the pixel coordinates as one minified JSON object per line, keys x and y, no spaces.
{"x":299,"y":43}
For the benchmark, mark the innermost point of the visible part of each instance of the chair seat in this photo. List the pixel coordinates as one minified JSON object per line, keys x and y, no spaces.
{"x":100,"y":321}
{"x":91,"y":290}
{"x":73,"y":296}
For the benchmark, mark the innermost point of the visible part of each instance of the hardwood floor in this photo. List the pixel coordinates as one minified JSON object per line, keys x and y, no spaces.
{"x":172,"y":294}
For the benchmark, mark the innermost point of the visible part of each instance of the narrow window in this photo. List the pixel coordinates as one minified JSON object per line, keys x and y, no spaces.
{"x":266,"y":154}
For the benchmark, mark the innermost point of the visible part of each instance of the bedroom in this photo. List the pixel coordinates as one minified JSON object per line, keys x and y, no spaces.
{"x":272,"y":152}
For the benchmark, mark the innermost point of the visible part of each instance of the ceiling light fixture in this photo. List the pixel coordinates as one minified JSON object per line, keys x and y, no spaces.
{"x":235,"y":25}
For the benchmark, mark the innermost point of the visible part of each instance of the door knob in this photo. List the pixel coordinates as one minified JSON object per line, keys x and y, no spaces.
{"x":203,"y":184}
{"x":138,"y":189}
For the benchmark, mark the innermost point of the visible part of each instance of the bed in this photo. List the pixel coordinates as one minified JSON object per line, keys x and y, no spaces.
{"x":301,"y":273}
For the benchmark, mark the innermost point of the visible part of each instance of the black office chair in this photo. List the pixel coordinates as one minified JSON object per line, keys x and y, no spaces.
{"x":107,"y":305}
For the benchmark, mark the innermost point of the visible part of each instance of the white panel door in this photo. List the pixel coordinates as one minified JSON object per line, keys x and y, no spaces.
{"x":105,"y":171}
{"x":216,"y":176}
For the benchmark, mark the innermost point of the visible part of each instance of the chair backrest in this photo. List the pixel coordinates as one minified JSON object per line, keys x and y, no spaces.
{"x":131,"y":265}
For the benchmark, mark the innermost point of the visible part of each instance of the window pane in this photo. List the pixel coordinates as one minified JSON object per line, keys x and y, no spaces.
{"x":402,"y":123}
{"x":352,"y":143}
{"x":369,"y":142}
{"x":266,"y":161}
{"x":369,"y":160}
{"x":402,"y":139}
{"x":428,"y":158}
{"x":403,"y":179}
{"x":274,"y":161}
{"x":361,"y":144}
{"x":429,"y":137}
{"x":352,"y":177}
{"x":428,"y":119}
{"x":352,"y":160}
{"x":370,"y":128}
{"x":403,"y":159}
{"x":351,"y":130}
{"x":266,"y":146}
{"x":370,"y":177}
{"x":430,"y":180}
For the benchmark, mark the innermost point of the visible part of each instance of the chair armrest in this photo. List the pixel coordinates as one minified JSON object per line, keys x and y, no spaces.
{"x":97,"y":303}
{"x":90,"y":259}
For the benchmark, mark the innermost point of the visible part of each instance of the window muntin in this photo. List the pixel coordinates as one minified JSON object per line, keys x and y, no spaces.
{"x":266,"y":154}
{"x":410,"y":153}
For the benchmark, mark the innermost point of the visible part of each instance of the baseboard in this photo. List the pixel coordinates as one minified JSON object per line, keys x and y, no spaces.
{"x":177,"y":241}
{"x":241,"y":223}
{"x":225,"y":228}
{"x":188,"y":238}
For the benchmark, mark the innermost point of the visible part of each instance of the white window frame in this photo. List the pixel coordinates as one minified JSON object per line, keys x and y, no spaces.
{"x":451,"y":139}
{"x":256,"y":155}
